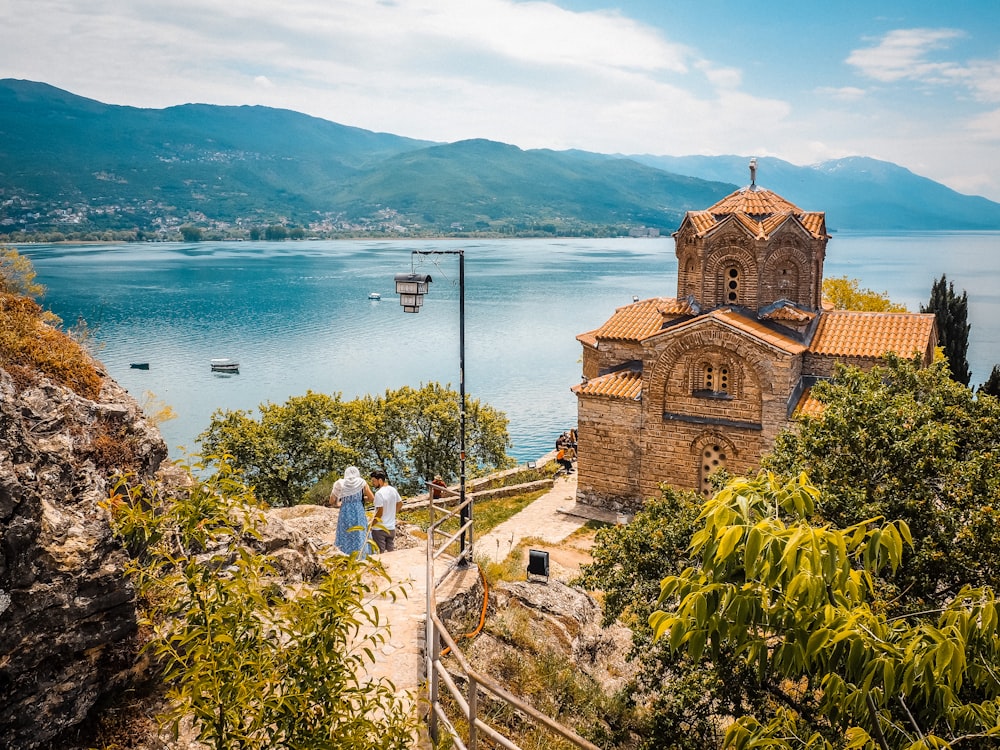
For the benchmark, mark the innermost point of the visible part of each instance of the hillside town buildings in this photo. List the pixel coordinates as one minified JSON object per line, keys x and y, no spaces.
{"x":676,"y":388}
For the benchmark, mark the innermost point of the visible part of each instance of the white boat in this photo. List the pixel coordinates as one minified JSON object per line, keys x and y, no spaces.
{"x":225,"y":365}
{"x":374,"y":295}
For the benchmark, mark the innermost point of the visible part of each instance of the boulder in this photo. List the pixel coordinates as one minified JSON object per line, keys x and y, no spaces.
{"x":67,"y":613}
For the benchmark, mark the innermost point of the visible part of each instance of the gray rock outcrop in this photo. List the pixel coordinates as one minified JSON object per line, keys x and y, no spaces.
{"x":67,"y":614}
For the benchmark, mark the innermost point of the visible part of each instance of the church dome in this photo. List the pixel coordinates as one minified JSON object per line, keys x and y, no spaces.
{"x":756,"y":202}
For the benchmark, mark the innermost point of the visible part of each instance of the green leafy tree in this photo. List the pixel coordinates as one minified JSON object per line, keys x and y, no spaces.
{"x":410,"y":433}
{"x":287,"y":450}
{"x":951,"y":313}
{"x":908,"y":443}
{"x":255,"y":666}
{"x":191,"y":233}
{"x":797,"y":601}
{"x":846,"y":294}
{"x":670,"y":700}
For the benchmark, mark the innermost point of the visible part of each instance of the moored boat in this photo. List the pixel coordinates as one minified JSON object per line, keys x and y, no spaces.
{"x":225,"y":365}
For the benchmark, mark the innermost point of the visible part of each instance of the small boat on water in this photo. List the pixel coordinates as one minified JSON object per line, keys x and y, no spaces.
{"x":139,"y":365}
{"x":225,"y":365}
{"x":374,"y":296}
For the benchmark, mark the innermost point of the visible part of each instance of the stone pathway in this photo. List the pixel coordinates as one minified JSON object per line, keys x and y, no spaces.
{"x":399,"y":659}
{"x":545,"y":519}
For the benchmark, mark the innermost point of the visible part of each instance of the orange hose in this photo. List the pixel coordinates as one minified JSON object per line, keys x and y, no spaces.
{"x":482,"y":615}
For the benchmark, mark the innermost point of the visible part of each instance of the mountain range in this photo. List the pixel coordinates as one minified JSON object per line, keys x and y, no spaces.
{"x":71,"y":165}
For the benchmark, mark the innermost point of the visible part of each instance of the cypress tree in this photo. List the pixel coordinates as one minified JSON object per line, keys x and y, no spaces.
{"x":992,"y":385}
{"x":951,"y":313}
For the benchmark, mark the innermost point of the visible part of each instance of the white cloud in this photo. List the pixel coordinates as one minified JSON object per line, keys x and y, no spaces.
{"x":263,"y":82}
{"x":843,"y":94}
{"x":902,"y":54}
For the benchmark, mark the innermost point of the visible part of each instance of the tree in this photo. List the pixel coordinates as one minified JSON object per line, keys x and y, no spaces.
{"x":908,"y":443}
{"x":900,"y":443}
{"x":255,"y":665}
{"x":410,"y":433}
{"x":191,"y":233}
{"x":796,"y":600}
{"x":951,"y":313}
{"x":846,"y":294}
{"x":992,"y":385}
{"x":17,"y":275}
{"x":287,"y":450}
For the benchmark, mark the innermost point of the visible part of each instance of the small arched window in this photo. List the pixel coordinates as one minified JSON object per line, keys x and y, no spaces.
{"x":712,"y":458}
{"x":713,"y":379}
{"x":732,"y":285}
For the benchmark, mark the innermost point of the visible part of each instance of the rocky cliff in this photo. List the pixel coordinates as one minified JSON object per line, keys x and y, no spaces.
{"x":67,"y":614}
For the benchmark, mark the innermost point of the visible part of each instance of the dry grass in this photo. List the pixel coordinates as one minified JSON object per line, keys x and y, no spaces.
{"x":32,"y":346}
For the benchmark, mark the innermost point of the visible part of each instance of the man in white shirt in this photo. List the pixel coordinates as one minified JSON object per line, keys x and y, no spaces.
{"x":387,"y":504}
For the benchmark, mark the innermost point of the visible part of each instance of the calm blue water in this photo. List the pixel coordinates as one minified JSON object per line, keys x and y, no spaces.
{"x":297,"y":318}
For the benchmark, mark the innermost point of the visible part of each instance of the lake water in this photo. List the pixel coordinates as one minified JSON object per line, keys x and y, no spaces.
{"x":297,"y":318}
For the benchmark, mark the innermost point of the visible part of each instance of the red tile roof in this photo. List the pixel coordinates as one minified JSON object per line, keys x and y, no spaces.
{"x":850,"y":333}
{"x":624,"y":384}
{"x":790,"y":313}
{"x":641,"y":319}
{"x":760,"y":211}
{"x":807,"y":405}
{"x":748,"y":326}
{"x":756,"y":201}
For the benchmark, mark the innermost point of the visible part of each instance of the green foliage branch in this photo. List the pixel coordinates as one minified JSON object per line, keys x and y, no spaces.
{"x":410,"y":433}
{"x":796,"y":600}
{"x":255,"y":665}
{"x":907,"y":442}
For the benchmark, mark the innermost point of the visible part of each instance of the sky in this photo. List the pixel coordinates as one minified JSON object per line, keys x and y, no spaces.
{"x":913,"y":82}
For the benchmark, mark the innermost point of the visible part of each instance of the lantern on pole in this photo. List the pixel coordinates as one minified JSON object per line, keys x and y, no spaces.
{"x":411,"y":288}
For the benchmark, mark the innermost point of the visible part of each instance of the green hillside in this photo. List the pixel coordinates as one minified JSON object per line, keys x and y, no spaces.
{"x":77,"y":168}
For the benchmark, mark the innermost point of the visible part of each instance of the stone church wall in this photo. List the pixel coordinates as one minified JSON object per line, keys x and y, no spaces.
{"x":608,"y":451}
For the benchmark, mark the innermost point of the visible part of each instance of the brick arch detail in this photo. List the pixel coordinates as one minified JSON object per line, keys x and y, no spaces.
{"x":669,"y":376}
{"x":707,"y":441}
{"x":788,"y":254}
{"x":727,"y":252}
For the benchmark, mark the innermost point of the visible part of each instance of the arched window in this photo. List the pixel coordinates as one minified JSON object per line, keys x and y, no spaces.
{"x":712,"y":458}
{"x":732,"y":285}
{"x":713,"y":378}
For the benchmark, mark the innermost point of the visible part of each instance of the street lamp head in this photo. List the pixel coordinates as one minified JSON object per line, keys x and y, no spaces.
{"x":411,"y":288}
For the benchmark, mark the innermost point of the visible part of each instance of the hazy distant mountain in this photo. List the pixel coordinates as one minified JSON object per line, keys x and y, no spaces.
{"x":856,"y":192}
{"x":69,"y":164}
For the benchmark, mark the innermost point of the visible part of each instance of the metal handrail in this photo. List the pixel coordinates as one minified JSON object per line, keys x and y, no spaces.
{"x":437,"y":672}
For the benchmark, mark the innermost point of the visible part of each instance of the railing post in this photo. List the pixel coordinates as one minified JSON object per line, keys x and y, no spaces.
{"x":432,"y":644}
{"x":473,"y":710}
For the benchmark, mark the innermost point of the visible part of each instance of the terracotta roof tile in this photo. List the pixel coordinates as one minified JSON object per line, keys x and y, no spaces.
{"x":755,"y":201}
{"x":588,"y":339}
{"x":807,"y":405}
{"x":758,"y":210}
{"x":759,"y":331}
{"x":790,"y":313}
{"x":673,"y":306}
{"x":849,"y":333}
{"x":815,"y":222}
{"x":637,"y":321}
{"x":702,"y":220}
{"x":624,"y":384}
{"x":746,"y":325}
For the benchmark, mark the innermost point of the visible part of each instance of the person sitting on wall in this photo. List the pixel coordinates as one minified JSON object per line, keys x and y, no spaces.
{"x":564,"y":458}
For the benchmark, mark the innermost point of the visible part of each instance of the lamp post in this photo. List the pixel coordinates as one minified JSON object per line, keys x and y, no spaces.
{"x":411,"y":288}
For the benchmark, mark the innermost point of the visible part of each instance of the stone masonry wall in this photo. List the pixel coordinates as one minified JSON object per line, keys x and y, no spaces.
{"x":608,"y":452}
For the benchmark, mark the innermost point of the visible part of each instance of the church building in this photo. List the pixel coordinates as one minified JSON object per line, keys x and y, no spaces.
{"x":675,"y":388}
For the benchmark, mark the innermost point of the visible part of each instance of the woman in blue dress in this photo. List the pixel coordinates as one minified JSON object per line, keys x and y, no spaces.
{"x":349,"y":494}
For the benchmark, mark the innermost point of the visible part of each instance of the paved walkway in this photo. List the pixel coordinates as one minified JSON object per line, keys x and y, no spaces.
{"x":400,"y":658}
{"x":544,"y":520}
